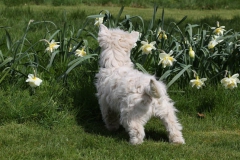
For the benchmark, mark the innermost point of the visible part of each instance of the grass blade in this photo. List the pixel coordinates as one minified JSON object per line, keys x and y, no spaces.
{"x":52,"y":58}
{"x":53,"y":35}
{"x":1,"y":56}
{"x":79,"y":61}
{"x":178,"y":75}
{"x":8,"y":39}
{"x":118,"y":16}
{"x":165,"y":75}
{"x":6,"y":73}
{"x":9,"y":59}
{"x":183,"y":19}
{"x":162,"y":18}
{"x":141,"y":68}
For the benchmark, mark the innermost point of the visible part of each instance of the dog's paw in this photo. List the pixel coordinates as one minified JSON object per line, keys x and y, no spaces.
{"x":136,"y":141}
{"x":177,"y":140}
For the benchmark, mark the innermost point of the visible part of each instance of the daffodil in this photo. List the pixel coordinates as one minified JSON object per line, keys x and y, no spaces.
{"x":166,"y":59}
{"x":134,"y":45}
{"x":80,"y":53}
{"x":191,"y":52}
{"x":33,"y":80}
{"x":52,"y":45}
{"x":98,"y":21}
{"x":147,"y":47}
{"x":218,"y":30}
{"x":161,"y":34}
{"x":212,"y":44}
{"x":231,"y":81}
{"x":198,"y":83}
{"x":215,"y":40}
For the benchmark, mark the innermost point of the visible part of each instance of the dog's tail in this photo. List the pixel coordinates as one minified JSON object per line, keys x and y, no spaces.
{"x":153,"y":90}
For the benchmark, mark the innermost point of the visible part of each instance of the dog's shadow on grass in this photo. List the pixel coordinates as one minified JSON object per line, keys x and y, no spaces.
{"x":96,"y":126}
{"x":88,"y":116}
{"x":156,"y":136}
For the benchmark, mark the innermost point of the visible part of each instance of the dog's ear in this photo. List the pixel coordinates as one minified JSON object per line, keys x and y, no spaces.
{"x":103,"y":28}
{"x":135,"y":35}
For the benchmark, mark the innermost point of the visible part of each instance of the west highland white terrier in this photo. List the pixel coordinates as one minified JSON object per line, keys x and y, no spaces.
{"x":127,"y":96}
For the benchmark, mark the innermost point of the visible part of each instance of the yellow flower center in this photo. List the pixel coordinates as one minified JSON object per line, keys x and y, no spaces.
{"x":210,"y":46}
{"x":170,"y":58}
{"x":218,"y":30}
{"x":51,"y":45}
{"x":165,"y":36}
{"x":231,"y":84}
{"x":161,"y":35}
{"x":80,"y":52}
{"x":147,"y":48}
{"x":197,"y":82}
{"x":83,"y":52}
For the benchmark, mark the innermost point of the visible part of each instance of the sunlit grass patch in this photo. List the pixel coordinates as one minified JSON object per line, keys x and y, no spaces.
{"x":73,"y":142}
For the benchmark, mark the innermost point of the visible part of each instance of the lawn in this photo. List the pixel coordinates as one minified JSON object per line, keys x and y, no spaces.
{"x":214,"y":136}
{"x":61,"y":119}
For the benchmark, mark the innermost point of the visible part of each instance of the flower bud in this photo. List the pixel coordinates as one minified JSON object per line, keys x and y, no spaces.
{"x":191,"y":52}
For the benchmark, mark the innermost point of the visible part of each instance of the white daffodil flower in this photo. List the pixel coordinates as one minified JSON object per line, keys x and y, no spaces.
{"x":52,"y":45}
{"x":33,"y":80}
{"x":98,"y":21}
{"x":231,"y":81}
{"x":218,"y":30}
{"x":166,"y":59}
{"x":191,"y":52}
{"x":134,"y":45}
{"x":215,"y":40}
{"x":80,"y":53}
{"x":147,"y":47}
{"x":198,"y":83}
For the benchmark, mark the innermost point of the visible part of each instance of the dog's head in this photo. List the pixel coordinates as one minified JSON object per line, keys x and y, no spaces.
{"x":116,"y":45}
{"x":116,"y":38}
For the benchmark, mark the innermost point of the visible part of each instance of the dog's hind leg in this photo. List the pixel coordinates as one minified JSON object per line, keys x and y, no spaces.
{"x":110,"y":118}
{"x":166,"y":112}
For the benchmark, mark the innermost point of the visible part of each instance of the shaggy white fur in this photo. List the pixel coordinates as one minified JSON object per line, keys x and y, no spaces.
{"x":127,"y":96}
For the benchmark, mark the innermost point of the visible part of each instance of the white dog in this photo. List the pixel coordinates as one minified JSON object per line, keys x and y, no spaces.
{"x":127,"y":96}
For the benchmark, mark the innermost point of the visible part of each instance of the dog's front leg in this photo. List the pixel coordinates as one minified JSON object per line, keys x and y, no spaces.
{"x":135,"y":130}
{"x":110,"y":118}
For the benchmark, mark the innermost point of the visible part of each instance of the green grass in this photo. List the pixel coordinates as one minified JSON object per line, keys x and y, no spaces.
{"x":80,"y":133}
{"x":29,"y":141}
{"x":61,"y":119}
{"x":76,"y":14}
{"x":180,"y":4}
{"x":146,"y":13}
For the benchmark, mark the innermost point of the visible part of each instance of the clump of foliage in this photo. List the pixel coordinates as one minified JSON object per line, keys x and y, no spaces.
{"x":198,"y":54}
